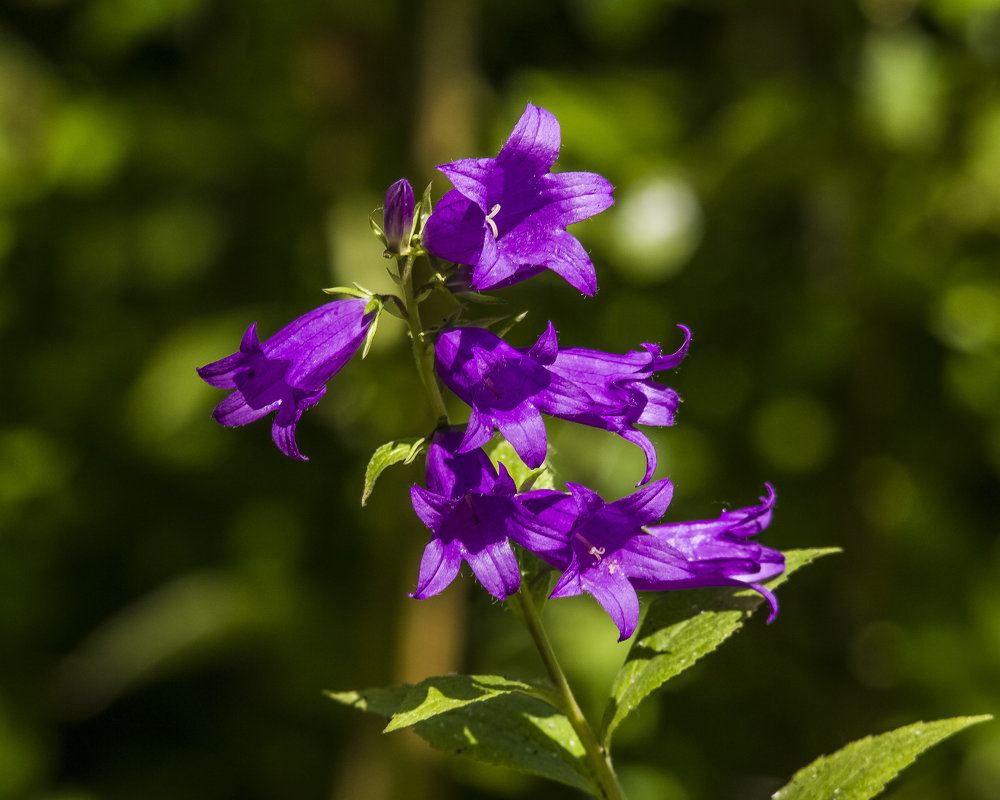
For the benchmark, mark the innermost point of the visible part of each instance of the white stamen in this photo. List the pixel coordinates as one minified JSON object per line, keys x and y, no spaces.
{"x":597,"y":552}
{"x":489,"y":220}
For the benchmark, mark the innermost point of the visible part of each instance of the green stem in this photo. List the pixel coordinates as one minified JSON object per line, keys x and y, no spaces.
{"x":605,"y":780}
{"x":423,"y":351}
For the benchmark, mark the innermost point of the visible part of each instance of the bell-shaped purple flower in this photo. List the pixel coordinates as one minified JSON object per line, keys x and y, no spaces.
{"x":397,"y":216}
{"x":507,"y":216}
{"x":469,"y":508}
{"x":601,"y":547}
{"x":621,"y":390}
{"x":288,"y":372}
{"x":610,"y":550}
{"x":501,"y":385}
{"x":719,"y":553}
{"x":508,"y":389}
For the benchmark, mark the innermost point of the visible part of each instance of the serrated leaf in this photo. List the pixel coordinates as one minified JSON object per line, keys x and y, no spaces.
{"x":681,"y":627}
{"x":861,"y":770}
{"x":438,"y":695}
{"x":510,"y":729}
{"x":398,"y":451}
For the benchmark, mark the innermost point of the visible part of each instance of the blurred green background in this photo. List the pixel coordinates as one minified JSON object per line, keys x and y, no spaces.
{"x":814,"y":188}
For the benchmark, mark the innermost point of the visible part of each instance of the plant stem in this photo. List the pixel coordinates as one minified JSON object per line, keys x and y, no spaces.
{"x":423,"y":352}
{"x":605,"y":780}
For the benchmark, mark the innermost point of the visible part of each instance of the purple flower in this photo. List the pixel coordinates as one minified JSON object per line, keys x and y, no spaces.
{"x":397,"y":217}
{"x":469,"y":507}
{"x":501,"y":385}
{"x":718,"y":553}
{"x":288,"y":372}
{"x":621,"y":390}
{"x":508,"y":389}
{"x":610,"y":550}
{"x":601,"y":547}
{"x":507,"y":216}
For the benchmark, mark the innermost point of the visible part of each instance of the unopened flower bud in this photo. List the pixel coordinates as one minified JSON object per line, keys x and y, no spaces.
{"x":398,"y":216}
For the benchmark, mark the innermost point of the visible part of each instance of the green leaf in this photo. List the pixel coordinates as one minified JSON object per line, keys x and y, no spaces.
{"x":681,"y":627}
{"x":500,"y":451}
{"x":487,"y":718}
{"x":395,"y":452}
{"x":435,"y":696}
{"x":862,"y":769}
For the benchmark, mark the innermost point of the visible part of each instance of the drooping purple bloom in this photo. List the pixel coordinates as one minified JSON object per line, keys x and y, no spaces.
{"x":508,"y":389}
{"x":469,"y":508}
{"x":501,"y":385}
{"x":288,"y":372}
{"x":610,"y":550}
{"x":623,"y":394}
{"x":507,"y":216}
{"x":397,"y":217}
{"x":719,"y":553}
{"x":601,"y":547}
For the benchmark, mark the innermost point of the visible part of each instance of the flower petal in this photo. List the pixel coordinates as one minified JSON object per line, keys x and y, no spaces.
{"x":576,"y":196}
{"x":534,"y":143}
{"x":616,"y":595}
{"x":495,"y":567}
{"x":439,"y":566}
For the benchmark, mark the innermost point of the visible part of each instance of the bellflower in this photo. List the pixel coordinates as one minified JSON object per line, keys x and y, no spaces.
{"x":468,"y":505}
{"x":601,"y":547}
{"x":623,"y":394}
{"x":507,"y":216}
{"x":288,"y":372}
{"x":508,"y":389}
{"x":397,"y":217}
{"x":719,"y":553}
{"x":501,"y":385}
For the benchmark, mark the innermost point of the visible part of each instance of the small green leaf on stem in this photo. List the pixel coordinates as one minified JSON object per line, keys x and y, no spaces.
{"x":398,"y":451}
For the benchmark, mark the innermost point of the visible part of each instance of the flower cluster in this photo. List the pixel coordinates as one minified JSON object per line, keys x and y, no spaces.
{"x":504,"y":222}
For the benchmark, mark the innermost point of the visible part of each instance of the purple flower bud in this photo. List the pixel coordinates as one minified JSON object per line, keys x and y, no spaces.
{"x":289,"y":371}
{"x":397,"y":220}
{"x":507,"y":216}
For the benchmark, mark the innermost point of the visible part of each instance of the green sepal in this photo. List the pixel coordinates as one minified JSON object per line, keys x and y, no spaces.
{"x":861,"y":770}
{"x":370,"y":333}
{"x":487,"y":718}
{"x":377,"y":230}
{"x":398,"y":451}
{"x":393,"y":305}
{"x":480,"y":298}
{"x":392,"y":267}
{"x":351,"y":291}
{"x":511,"y":321}
{"x":678,"y":629}
{"x":426,"y":206}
